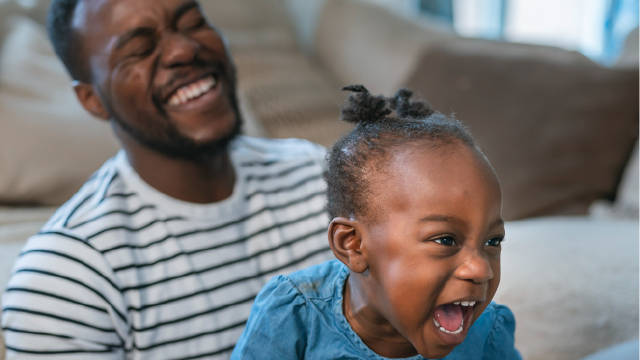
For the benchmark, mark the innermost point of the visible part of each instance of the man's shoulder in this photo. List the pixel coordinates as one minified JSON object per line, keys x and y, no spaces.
{"x":103,"y":192}
{"x":253,"y":150}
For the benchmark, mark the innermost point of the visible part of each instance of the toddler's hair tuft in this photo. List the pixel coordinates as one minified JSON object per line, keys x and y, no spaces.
{"x":382,"y":124}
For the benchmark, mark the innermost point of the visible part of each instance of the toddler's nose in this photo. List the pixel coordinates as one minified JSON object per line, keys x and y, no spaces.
{"x":476,"y":267}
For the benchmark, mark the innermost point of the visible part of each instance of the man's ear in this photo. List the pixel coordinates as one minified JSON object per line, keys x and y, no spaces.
{"x":345,"y":239}
{"x":89,"y":99}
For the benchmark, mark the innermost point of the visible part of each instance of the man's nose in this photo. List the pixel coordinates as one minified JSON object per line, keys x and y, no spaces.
{"x":178,"y":50}
{"x":475,"y":267}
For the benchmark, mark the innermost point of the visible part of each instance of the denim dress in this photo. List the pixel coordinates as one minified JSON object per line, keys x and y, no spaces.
{"x":300,"y":317}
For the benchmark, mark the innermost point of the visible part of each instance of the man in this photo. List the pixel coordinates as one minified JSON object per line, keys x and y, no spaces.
{"x":160,"y":254}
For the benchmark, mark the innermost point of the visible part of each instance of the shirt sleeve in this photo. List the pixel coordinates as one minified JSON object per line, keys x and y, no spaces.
{"x":500,"y":343}
{"x":62,"y":303}
{"x":276,"y":325}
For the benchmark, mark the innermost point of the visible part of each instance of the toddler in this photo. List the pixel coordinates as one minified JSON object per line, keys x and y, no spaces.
{"x":417,"y":233}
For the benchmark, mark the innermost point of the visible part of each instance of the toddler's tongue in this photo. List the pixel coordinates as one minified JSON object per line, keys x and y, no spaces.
{"x":449,"y":316}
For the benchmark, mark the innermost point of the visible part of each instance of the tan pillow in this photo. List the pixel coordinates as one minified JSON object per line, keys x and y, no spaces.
{"x":557,"y":127}
{"x":49,"y":144}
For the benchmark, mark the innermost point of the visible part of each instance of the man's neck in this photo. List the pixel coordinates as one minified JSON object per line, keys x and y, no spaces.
{"x":199,"y":181}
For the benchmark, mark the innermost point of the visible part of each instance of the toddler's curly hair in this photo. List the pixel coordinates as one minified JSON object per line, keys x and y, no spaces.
{"x":382,"y":125}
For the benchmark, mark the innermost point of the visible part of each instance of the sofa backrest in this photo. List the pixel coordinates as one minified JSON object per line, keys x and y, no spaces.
{"x":364,"y":43}
{"x":252,"y":23}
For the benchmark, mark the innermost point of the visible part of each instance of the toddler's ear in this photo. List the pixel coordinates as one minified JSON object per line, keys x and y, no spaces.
{"x":346,"y":243}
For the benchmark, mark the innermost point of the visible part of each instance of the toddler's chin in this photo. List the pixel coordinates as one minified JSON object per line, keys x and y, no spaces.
{"x":432,"y":348}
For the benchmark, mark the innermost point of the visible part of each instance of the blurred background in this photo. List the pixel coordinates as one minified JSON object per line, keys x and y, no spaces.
{"x":548,"y":88}
{"x":597,"y":28}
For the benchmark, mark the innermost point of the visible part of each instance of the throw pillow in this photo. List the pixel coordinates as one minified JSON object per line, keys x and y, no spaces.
{"x":557,"y":127}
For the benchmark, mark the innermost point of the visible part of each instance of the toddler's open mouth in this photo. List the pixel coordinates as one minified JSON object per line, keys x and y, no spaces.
{"x":451,"y":318}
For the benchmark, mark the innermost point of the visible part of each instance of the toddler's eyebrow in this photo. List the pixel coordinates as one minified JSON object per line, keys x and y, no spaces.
{"x":441,"y":218}
{"x":453,"y":219}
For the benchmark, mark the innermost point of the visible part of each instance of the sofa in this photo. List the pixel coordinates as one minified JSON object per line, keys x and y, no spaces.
{"x":560,"y":130}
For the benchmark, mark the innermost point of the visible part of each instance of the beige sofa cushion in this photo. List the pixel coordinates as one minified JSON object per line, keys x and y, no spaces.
{"x":379,"y":52}
{"x":252,"y":23}
{"x":572,"y":283}
{"x":288,"y":95}
{"x":49,"y":144}
{"x":558,"y":128}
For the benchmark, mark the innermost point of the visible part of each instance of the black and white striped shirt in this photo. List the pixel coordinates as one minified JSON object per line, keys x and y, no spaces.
{"x":124,"y":271}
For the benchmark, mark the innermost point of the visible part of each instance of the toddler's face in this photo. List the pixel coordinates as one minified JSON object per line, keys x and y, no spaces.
{"x":433,"y":250}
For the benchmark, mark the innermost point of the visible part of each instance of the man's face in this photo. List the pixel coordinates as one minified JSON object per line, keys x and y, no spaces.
{"x":435,"y":242}
{"x":162,"y":72}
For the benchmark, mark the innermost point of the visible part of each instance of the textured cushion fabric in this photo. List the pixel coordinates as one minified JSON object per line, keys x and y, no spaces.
{"x":49,"y":144}
{"x":572,"y":283}
{"x":379,"y":52}
{"x":628,"y":350}
{"x":252,"y":23}
{"x":7,"y":9}
{"x":545,"y":117}
{"x":289,"y":96}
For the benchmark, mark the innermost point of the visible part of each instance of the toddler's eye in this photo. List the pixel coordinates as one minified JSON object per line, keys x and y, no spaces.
{"x":496,"y":241}
{"x":445,"y":240}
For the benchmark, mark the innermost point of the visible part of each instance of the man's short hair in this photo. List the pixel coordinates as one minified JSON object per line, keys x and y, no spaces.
{"x":61,"y":35}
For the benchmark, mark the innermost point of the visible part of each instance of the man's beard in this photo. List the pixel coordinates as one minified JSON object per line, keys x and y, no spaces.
{"x":173,"y":144}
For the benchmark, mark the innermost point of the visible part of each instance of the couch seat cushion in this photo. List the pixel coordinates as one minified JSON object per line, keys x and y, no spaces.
{"x":572,"y":283}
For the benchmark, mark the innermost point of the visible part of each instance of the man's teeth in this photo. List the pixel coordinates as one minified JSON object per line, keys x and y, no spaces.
{"x":192,"y":91}
{"x":465,"y":303}
{"x":441,"y":328}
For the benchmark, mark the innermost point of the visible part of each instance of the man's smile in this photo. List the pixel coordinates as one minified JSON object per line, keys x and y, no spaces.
{"x":194,"y":90}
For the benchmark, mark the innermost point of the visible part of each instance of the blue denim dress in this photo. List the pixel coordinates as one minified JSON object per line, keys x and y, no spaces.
{"x":300,"y":317}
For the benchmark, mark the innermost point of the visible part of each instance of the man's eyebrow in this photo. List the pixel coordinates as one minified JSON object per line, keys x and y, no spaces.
{"x":139,"y":31}
{"x":181,"y":10}
{"x":147,"y":31}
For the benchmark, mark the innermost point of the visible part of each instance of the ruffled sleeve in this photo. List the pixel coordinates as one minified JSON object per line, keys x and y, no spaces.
{"x":276,"y":326}
{"x":500,"y":344}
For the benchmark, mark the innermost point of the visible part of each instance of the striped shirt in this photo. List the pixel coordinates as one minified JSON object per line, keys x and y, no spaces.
{"x":124,"y":271}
